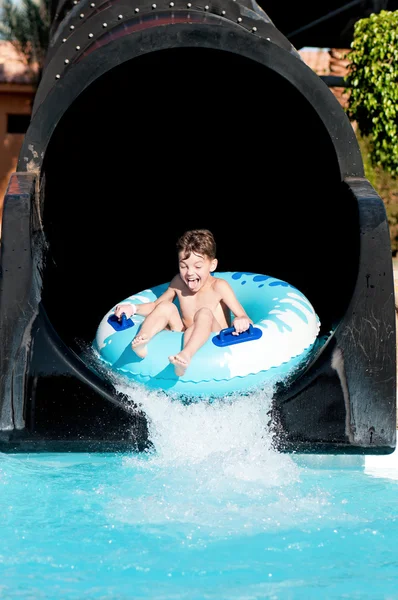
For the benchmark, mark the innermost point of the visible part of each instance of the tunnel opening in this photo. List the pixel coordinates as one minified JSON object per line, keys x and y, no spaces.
{"x":191,"y":138}
{"x":151,"y":123}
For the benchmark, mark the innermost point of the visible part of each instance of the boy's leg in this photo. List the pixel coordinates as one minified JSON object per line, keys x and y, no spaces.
{"x":194,"y":338}
{"x":163,"y":315}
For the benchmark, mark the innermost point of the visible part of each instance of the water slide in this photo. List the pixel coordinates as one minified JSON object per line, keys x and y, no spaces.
{"x":153,"y":118}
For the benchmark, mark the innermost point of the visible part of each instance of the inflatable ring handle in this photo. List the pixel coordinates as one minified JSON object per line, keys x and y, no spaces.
{"x":226,"y":337}
{"x":124,"y":322}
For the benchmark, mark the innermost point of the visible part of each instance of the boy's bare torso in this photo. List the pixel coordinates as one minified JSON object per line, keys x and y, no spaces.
{"x":208,"y":297}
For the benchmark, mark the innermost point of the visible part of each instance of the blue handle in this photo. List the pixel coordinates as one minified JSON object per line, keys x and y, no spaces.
{"x":226,"y":337}
{"x":117,"y":325}
{"x":229,"y":330}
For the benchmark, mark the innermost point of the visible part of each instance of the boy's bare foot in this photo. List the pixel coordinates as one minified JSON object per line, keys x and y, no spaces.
{"x":180,"y":362}
{"x":139,"y":345}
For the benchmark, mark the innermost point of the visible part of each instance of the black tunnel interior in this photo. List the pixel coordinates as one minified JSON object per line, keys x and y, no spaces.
{"x":190,"y":138}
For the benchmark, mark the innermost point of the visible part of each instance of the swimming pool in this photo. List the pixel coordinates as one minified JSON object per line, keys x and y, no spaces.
{"x":213,"y":512}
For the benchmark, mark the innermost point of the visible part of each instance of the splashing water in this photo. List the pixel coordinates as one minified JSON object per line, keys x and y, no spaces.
{"x":214,"y":464}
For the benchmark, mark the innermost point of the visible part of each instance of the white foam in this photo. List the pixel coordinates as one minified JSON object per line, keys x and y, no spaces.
{"x":230,"y":437}
{"x":214,"y":469}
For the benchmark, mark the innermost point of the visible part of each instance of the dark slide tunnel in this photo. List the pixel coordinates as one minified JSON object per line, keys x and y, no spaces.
{"x":168,"y":119}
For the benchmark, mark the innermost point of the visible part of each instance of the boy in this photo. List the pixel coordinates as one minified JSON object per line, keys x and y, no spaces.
{"x":204,"y":302}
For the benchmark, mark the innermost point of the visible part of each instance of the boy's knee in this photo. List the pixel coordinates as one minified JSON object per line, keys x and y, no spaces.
{"x":204,"y":313}
{"x":166,"y":306}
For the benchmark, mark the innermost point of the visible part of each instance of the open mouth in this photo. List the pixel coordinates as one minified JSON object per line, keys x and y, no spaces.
{"x":192,"y":283}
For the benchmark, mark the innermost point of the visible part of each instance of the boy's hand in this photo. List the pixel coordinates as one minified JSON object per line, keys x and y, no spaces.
{"x":240,"y":324}
{"x":128,"y":309}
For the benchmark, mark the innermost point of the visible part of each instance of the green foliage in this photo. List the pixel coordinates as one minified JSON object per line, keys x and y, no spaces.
{"x":373,"y":86}
{"x":27,"y":26}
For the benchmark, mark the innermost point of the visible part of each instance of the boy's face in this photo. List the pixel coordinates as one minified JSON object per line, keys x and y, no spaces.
{"x":195,"y":270}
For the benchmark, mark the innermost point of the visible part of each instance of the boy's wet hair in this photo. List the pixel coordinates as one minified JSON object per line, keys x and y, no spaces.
{"x":199,"y":241}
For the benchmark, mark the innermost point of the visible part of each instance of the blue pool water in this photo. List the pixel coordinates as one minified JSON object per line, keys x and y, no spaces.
{"x":212,"y":513}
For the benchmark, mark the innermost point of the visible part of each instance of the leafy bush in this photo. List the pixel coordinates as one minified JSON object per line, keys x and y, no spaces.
{"x":373,"y":87}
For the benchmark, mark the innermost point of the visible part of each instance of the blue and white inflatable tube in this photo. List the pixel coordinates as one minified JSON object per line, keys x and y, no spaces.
{"x":285,"y":330}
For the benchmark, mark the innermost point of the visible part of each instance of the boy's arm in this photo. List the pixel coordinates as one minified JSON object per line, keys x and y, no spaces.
{"x":145,"y":309}
{"x":242,"y":320}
